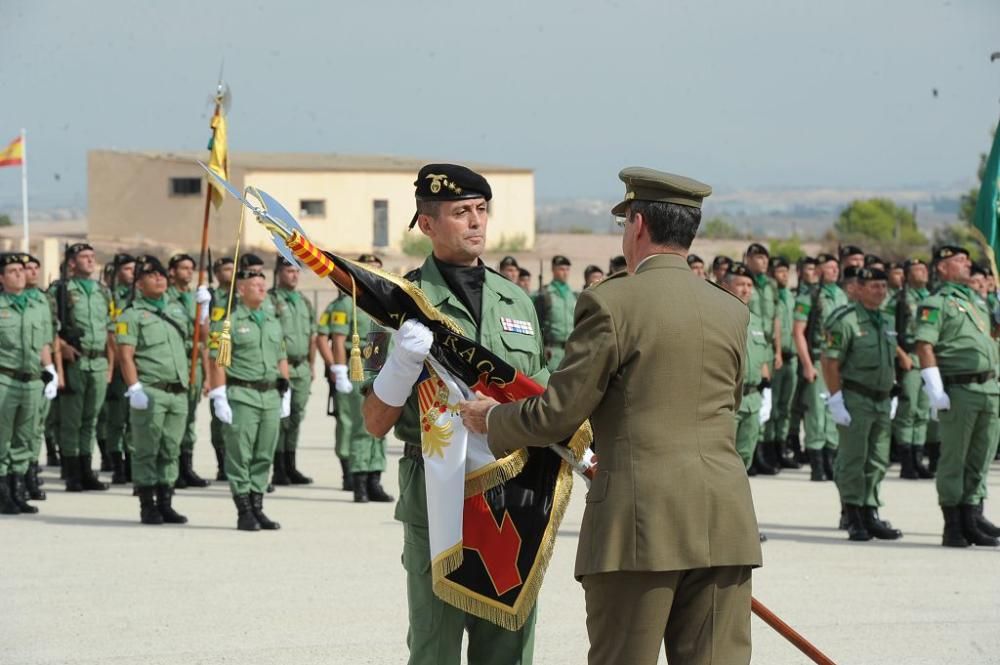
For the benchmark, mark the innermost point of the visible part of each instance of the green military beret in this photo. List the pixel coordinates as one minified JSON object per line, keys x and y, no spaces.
{"x":642,"y":184}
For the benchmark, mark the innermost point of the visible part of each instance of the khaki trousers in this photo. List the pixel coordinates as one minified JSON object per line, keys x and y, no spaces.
{"x":702,"y":616}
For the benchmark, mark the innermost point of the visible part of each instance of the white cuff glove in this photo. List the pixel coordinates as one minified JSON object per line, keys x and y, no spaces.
{"x":220,"y":403}
{"x":202,"y":296}
{"x":765,"y":406}
{"x":934,"y":387}
{"x":893,"y":405}
{"x":341,"y":383}
{"x":411,"y":345}
{"x":286,"y":403}
{"x":840,"y":414}
{"x":51,"y":389}
{"x":137,"y":397}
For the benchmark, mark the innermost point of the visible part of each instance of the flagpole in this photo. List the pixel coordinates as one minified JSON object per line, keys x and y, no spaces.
{"x":24,"y":189}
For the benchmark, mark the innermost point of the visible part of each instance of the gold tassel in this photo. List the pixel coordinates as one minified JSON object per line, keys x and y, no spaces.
{"x":357,"y":369}
{"x":225,"y":339}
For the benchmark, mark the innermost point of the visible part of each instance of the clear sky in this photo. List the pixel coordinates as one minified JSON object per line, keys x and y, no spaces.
{"x":737,"y":93}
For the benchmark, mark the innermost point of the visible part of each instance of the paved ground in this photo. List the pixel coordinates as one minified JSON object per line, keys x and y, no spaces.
{"x":84,"y":583}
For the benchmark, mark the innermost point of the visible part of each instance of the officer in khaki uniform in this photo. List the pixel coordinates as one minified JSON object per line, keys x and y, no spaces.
{"x":151,"y":335}
{"x":223,"y":270}
{"x":25,"y":348}
{"x":250,"y":396}
{"x":858,"y":367}
{"x":298,"y":323}
{"x":555,"y":304}
{"x":656,"y":362}
{"x":959,"y":358}
{"x":452,"y":212}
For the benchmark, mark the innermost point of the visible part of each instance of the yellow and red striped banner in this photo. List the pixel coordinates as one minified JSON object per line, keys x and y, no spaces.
{"x":13,"y":154}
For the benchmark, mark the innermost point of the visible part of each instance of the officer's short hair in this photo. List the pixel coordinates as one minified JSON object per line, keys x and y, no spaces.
{"x":669,"y":223}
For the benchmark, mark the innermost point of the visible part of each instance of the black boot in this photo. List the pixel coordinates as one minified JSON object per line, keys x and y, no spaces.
{"x":102,"y":446}
{"x":856,"y":524}
{"x":360,"y":484}
{"x":933,"y":455}
{"x":35,"y":493}
{"x":62,"y":467}
{"x":876,"y":527}
{"x":918,"y":463}
{"x":191,"y":477}
{"x":118,"y":469}
{"x":842,"y":525}
{"x":786,"y":456}
{"x":293,"y":471}
{"x":952,"y":536}
{"x":347,"y":478}
{"x":19,"y":492}
{"x":971,"y":531}
{"x":88,"y":478}
{"x":760,"y":462}
{"x":279,"y":474}
{"x":245,"y":520}
{"x":51,"y":452}
{"x":220,"y":463}
{"x":906,"y":470}
{"x":71,"y":467}
{"x":148,"y":514}
{"x":829,"y":455}
{"x":375,"y":491}
{"x":181,"y":482}
{"x":128,"y":467}
{"x":815,"y":464}
{"x":984,"y":524}
{"x":164,"y":499}
{"x":8,"y":506}
{"x":257,"y":505}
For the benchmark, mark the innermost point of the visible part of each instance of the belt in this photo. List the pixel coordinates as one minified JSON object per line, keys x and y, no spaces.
{"x":23,"y":377}
{"x":93,"y":354}
{"x":750,"y":388}
{"x":297,"y":360}
{"x":865,"y":391}
{"x":175,"y":388}
{"x":965,"y":379}
{"x":788,"y":355}
{"x":413,"y":452}
{"x":259,"y":386}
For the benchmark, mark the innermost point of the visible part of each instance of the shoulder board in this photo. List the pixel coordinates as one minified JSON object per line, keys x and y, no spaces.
{"x":623,"y":273}
{"x":718,"y":286}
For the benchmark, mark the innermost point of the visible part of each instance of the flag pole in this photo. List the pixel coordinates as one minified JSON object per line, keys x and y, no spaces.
{"x":24,"y":189}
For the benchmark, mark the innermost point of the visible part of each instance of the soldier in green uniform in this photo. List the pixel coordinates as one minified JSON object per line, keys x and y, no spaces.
{"x":365,"y":453}
{"x":222,"y":269}
{"x":250,"y":397}
{"x":180,"y":275}
{"x":555,"y":304}
{"x":696,"y":264}
{"x":113,"y":428}
{"x":785,"y":376}
{"x":764,"y":303}
{"x":808,"y":278}
{"x":858,"y":367}
{"x":151,"y":336}
{"x":25,"y":348}
{"x":720,"y":266}
{"x":494,"y":311}
{"x":298,"y":322}
{"x":808,"y":330}
{"x":34,"y":482}
{"x":896,"y":272}
{"x":83,"y":305}
{"x":851,"y":256}
{"x":910,"y":423}
{"x":959,"y":357}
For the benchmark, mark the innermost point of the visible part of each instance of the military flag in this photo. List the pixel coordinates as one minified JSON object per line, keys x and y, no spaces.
{"x":985,"y":217}
{"x":219,"y":158}
{"x":15,"y":155}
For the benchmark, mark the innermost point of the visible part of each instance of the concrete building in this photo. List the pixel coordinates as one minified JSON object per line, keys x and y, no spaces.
{"x":346,"y":204}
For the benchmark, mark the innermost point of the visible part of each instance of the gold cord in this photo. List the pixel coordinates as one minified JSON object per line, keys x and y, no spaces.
{"x":225,"y":356}
{"x":357,"y":372}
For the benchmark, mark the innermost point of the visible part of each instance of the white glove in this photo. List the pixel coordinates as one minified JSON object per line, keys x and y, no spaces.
{"x":51,"y":389}
{"x":765,"y":406}
{"x":934,"y":388}
{"x":893,"y":405}
{"x":202,"y":296}
{"x":837,"y":409}
{"x":411,"y":344}
{"x":220,"y":403}
{"x":286,"y":403}
{"x":137,"y":397}
{"x":341,"y":383}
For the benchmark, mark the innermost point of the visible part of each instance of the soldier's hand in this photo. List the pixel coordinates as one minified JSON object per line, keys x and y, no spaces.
{"x":341,"y":383}
{"x":411,"y":346}
{"x":809,"y":373}
{"x":220,"y":403}
{"x":838,"y":410}
{"x":779,"y":362}
{"x":137,"y":397}
{"x":474,"y":412}
{"x":905,"y":362}
{"x":286,"y":403}
{"x":69,"y":352}
{"x":765,"y":406}
{"x":934,"y":387}
{"x":51,"y":389}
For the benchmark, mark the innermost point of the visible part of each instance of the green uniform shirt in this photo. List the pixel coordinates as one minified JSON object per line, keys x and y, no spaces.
{"x":555,"y":305}
{"x":160,"y":345}
{"x":24,"y":329}
{"x":87,"y":312}
{"x":258,"y":346}
{"x":758,"y":351}
{"x":830,"y":297}
{"x":786,"y":305}
{"x":36,"y":294}
{"x":764,"y":303}
{"x":913,"y":297}
{"x":338,"y":319}
{"x":864,"y":343}
{"x":298,"y":321}
{"x":187,"y":302}
{"x":952,"y":322}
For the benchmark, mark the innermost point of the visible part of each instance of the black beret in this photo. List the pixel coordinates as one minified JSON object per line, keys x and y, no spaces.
{"x":824,"y":258}
{"x":507,"y":262}
{"x":222,"y":261}
{"x":78,"y":247}
{"x":560,"y":260}
{"x":282,"y":262}
{"x":779,"y":262}
{"x":28,"y":258}
{"x":808,"y":261}
{"x":720,"y":261}
{"x":10,"y":258}
{"x":369,"y":258}
{"x":977,"y":269}
{"x":449,"y":182}
{"x":893,"y":265}
{"x":757,"y":248}
{"x":148,"y":264}
{"x":740,"y":270}
{"x":123,"y":259}
{"x":871,"y":258}
{"x":177,"y":258}
{"x":249,"y":273}
{"x":870,"y":274}
{"x":693,"y":259}
{"x":590,"y":270}
{"x":248,"y":260}
{"x":850,"y":250}
{"x":948,"y":251}
{"x":523,"y":272}
{"x":617,"y":263}
{"x":851,"y":272}
{"x":909,"y":263}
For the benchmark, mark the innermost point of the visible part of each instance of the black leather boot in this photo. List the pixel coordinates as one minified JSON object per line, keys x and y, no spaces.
{"x":815,"y":464}
{"x":760,"y":461}
{"x":128,"y":467}
{"x":970,"y":529}
{"x":191,"y":477}
{"x":906,"y":470}
{"x":918,"y":463}
{"x":842,"y":525}
{"x":245,"y":520}
{"x":952,"y":535}
{"x":856,"y":524}
{"x":181,"y":482}
{"x":360,"y":483}
{"x":293,"y":470}
{"x":375,"y":491}
{"x":7,"y":504}
{"x":35,"y":493}
{"x":148,"y":513}
{"x":51,"y":452}
{"x":347,"y":481}
{"x":118,"y":469}
{"x":279,"y":473}
{"x":220,"y":463}
{"x":88,"y":478}
{"x":102,"y":446}
{"x":878,"y":528}
{"x":19,"y":492}
{"x":164,"y":499}
{"x":71,"y":467}
{"x":257,"y":505}
{"x":933,"y":455}
{"x":787,"y":457}
{"x":984,"y":524}
{"x":829,"y":455}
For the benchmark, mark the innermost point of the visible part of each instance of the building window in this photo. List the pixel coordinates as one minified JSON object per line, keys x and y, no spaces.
{"x":312,"y":208}
{"x":185,"y":186}
{"x":380,"y":223}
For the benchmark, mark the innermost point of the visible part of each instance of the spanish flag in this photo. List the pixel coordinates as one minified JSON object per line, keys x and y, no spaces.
{"x":219,"y":160}
{"x":13,"y":154}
